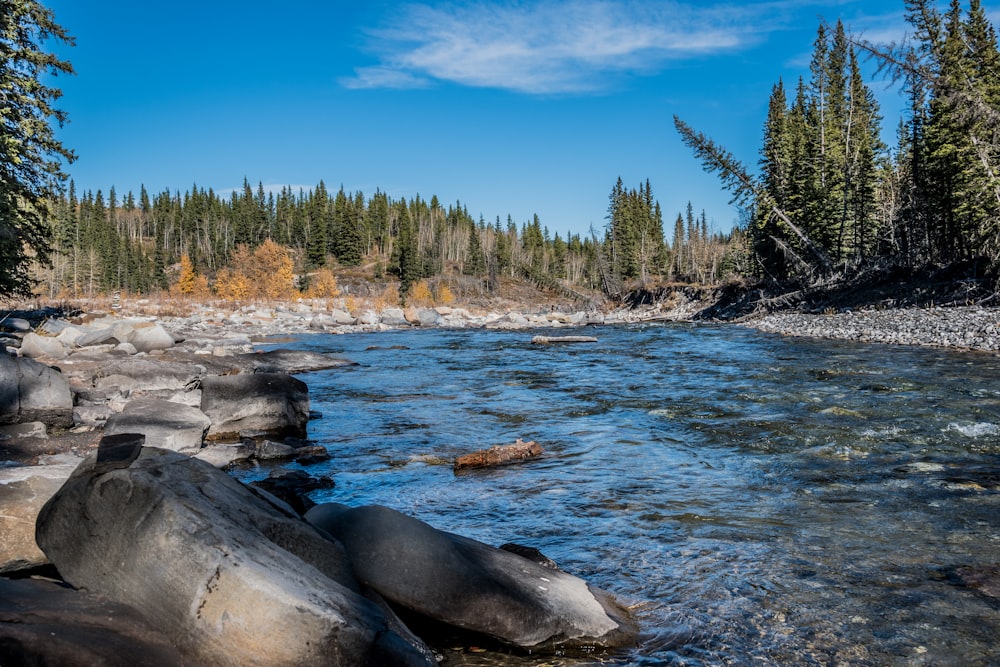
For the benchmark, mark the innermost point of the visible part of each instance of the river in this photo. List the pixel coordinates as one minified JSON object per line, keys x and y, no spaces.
{"x":759,"y":500}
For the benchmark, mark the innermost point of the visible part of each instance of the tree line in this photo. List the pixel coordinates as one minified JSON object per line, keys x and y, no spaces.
{"x":138,"y":243}
{"x":830,"y":198}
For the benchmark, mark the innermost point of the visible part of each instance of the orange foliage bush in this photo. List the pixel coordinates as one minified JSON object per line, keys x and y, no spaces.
{"x":323,"y":285}
{"x":190,"y":284}
{"x":232,"y":285}
{"x":264,"y":273}
{"x":420,"y":294}
{"x":443,"y":296}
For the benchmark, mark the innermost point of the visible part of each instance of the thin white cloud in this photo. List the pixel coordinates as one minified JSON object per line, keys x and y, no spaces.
{"x":569,"y":46}
{"x":384,"y":77}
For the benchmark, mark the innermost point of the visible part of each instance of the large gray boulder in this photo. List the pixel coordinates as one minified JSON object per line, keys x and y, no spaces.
{"x":394,"y":317}
{"x":44,"y":623}
{"x":34,"y":346}
{"x":470,"y":585}
{"x":174,"y":426}
{"x":428,"y":317}
{"x":230,"y":577}
{"x":23,"y":492}
{"x":149,"y":337}
{"x":275,"y":403}
{"x":31,"y":391}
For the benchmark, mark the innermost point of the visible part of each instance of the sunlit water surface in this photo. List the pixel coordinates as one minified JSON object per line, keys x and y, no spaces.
{"x":759,"y":500}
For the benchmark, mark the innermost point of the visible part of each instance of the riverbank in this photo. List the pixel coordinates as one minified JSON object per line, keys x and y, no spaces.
{"x":958,"y":327}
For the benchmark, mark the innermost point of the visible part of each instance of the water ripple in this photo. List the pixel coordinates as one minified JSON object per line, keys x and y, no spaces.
{"x":758,"y":500}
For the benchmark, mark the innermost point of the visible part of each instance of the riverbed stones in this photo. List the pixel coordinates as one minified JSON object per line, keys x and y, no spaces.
{"x":470,"y":585}
{"x":231,"y":578}
{"x":275,"y":403}
{"x":969,"y":327}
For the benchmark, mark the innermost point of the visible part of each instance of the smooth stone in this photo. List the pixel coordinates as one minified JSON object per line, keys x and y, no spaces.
{"x":34,"y":346}
{"x":394,"y":317}
{"x":152,"y":337}
{"x":471,"y":585}
{"x":230,"y":577}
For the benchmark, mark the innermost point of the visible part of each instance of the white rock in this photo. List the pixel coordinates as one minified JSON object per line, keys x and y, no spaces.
{"x":34,"y":346}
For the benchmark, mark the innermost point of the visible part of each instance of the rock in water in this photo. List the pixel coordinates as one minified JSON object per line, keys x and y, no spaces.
{"x":473,"y":586}
{"x":230,"y":578}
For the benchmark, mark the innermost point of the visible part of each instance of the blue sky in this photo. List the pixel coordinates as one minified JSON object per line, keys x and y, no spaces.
{"x":516,"y":108}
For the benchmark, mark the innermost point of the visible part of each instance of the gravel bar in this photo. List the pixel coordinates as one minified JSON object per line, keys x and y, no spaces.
{"x":960,"y":327}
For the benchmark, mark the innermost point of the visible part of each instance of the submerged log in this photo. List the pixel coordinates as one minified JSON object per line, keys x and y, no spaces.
{"x":499,"y":455}
{"x":545,"y":340}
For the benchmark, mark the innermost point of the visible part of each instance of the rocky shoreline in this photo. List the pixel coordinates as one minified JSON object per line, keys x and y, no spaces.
{"x":956,"y":327}
{"x":114,"y":436}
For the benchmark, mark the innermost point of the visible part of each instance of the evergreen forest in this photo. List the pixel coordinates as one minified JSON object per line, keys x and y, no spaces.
{"x":148,"y":243}
{"x":830,"y":199}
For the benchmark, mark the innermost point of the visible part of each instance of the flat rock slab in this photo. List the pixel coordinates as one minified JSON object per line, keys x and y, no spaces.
{"x":44,"y":623}
{"x":165,"y":424}
{"x":289,"y":361}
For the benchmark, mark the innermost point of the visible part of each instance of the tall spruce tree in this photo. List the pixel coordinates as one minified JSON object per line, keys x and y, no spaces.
{"x":31,"y":158}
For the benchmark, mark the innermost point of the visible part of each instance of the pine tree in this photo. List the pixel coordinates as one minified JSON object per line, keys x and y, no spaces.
{"x":475,"y":263}
{"x":30,"y":154}
{"x":316,"y":227}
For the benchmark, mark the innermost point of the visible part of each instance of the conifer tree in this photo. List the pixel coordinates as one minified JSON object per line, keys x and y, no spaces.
{"x":475,"y":262}
{"x":30,"y":155}
{"x":316,"y":227}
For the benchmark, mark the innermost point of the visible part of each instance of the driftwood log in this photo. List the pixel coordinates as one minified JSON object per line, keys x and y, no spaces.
{"x":545,"y":340}
{"x":499,"y":455}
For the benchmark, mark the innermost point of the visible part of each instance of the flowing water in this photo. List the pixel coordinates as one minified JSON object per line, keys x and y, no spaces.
{"x":759,"y":500}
